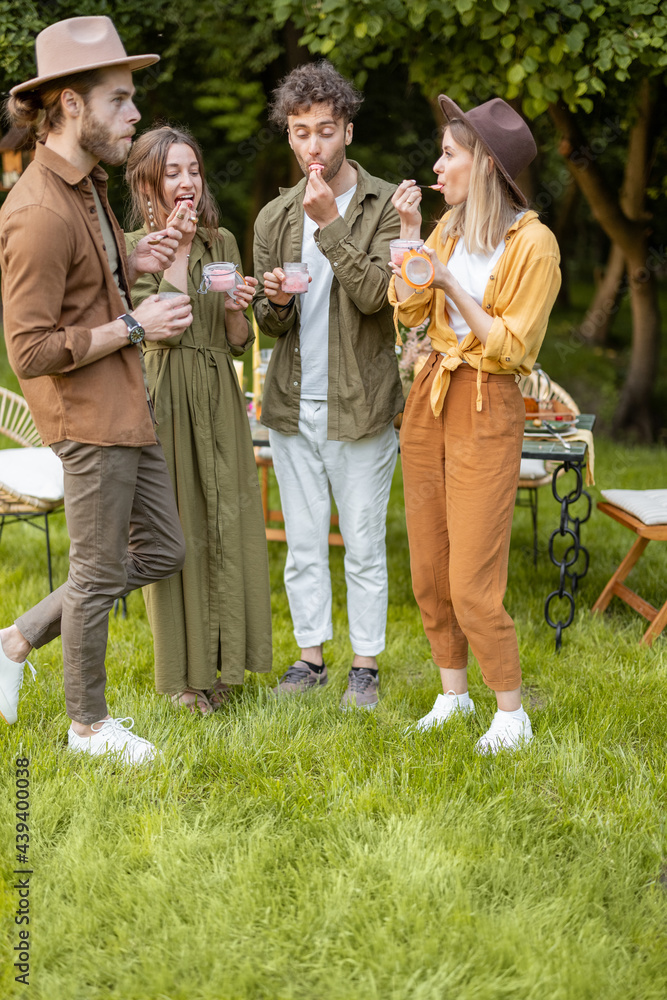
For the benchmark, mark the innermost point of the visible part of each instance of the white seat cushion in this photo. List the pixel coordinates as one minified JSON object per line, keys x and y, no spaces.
{"x":32,"y":472}
{"x":532,"y":468}
{"x":648,"y":506}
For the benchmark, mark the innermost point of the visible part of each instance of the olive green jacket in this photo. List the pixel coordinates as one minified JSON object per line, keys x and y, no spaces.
{"x":364,"y":393}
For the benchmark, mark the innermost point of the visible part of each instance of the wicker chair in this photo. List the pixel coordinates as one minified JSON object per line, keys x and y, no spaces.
{"x":30,"y":485}
{"x":534,"y":473}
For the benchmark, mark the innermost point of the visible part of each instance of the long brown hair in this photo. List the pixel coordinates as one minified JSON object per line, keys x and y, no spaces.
{"x":40,"y":111}
{"x":490,"y":208}
{"x":145,"y":171}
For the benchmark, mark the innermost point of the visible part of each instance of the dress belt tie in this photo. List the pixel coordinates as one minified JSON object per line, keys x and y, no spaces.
{"x":205,"y":355}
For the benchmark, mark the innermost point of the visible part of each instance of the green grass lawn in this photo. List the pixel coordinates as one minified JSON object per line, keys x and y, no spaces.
{"x":292,"y":851}
{"x":288,"y":850}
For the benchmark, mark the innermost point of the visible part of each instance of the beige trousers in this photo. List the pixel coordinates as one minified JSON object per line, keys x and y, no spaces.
{"x":124,"y":533}
{"x":460,"y":473}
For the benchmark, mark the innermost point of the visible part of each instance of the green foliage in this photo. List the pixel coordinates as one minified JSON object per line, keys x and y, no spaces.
{"x":538,"y":51}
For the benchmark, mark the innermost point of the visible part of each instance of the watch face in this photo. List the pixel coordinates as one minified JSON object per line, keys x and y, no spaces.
{"x":136,"y":334}
{"x":135,"y":331}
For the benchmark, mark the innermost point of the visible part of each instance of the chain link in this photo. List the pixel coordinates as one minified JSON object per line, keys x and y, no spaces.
{"x":566,"y":563}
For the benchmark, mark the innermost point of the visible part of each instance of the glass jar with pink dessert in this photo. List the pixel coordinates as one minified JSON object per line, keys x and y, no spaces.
{"x":296,"y":278}
{"x":399,"y":248}
{"x":220,"y":276}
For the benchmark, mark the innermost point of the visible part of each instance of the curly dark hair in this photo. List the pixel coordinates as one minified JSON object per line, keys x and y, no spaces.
{"x":314,"y":83}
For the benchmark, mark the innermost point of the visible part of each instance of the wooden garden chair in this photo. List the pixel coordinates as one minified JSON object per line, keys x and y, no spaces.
{"x":654,"y":509}
{"x":31,"y":481}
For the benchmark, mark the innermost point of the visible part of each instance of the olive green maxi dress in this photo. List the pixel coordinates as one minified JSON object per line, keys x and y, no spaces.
{"x":215,"y":615}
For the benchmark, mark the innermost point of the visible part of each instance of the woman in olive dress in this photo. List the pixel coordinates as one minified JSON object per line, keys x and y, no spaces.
{"x":212,"y":621}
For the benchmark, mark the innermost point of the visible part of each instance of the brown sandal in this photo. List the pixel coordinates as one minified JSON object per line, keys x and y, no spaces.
{"x":193,"y":700}
{"x":218,"y":695}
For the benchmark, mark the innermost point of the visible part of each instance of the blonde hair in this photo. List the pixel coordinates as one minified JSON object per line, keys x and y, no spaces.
{"x":491,"y":206}
{"x":146,"y":166}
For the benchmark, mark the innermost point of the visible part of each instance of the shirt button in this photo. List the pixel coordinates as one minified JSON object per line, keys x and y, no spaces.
{"x":508,"y":359}
{"x":296,"y":383}
{"x":335,"y":263}
{"x":92,"y":210}
{"x":296,"y":350}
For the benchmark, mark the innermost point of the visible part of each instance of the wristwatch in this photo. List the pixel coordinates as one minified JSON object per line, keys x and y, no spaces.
{"x":135,"y":331}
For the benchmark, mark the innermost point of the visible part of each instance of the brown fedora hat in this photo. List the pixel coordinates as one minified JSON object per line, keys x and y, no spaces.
{"x":77,"y":45}
{"x":502,"y":131}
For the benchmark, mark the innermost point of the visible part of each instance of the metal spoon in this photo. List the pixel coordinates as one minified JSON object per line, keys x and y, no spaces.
{"x":566,"y":444}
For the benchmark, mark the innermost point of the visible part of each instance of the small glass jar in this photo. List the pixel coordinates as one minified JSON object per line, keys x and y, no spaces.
{"x":399,"y":248}
{"x":220,"y":276}
{"x":296,"y":278}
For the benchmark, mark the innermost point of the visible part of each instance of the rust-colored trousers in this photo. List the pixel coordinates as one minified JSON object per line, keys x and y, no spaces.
{"x":460,"y":473}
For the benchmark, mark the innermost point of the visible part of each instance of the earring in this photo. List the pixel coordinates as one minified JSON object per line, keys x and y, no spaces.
{"x":151,"y":217}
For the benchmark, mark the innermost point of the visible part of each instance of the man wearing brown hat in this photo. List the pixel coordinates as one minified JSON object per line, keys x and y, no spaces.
{"x":72,"y":339}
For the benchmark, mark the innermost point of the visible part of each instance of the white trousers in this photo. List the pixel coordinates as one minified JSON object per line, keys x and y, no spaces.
{"x":360,"y":474}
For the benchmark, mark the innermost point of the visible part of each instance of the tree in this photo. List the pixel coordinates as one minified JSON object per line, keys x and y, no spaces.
{"x":559,"y":57}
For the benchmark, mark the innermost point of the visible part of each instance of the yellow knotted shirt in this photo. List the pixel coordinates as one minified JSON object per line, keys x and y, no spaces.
{"x":519,"y":295}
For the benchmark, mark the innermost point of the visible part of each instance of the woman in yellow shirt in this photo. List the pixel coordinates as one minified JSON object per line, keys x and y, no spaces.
{"x":496,"y":276}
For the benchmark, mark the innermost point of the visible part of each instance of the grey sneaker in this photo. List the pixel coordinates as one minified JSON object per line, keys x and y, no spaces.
{"x":362,"y":689}
{"x":299,"y":678}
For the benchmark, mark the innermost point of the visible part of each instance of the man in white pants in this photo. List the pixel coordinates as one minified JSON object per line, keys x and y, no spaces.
{"x":332,"y":389}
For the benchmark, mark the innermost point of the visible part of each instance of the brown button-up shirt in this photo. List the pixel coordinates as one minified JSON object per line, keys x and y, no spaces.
{"x":56,"y":286}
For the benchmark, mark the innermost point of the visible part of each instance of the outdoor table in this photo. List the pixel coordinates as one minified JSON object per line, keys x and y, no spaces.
{"x":570,"y":568}
{"x":570,"y":457}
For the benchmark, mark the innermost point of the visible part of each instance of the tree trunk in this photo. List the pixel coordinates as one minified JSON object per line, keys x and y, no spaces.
{"x":562,"y":227}
{"x":597,"y":321}
{"x":623,"y":220}
{"x":633,"y":410}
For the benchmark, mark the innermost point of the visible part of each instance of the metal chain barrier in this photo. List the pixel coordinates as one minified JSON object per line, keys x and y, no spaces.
{"x":569,"y":574}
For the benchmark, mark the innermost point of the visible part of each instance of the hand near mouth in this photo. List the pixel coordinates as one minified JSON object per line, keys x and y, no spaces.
{"x":318,"y":200}
{"x":184,"y":218}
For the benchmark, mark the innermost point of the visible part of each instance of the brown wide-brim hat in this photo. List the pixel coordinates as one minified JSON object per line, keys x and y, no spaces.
{"x":502,"y":131}
{"x":77,"y":45}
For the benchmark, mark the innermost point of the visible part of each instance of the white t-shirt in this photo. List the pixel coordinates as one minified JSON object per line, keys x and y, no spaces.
{"x":472,"y":271}
{"x":315,"y":309}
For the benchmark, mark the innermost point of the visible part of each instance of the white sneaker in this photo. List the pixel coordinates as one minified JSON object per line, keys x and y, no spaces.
{"x":505,"y":732}
{"x":11,"y":679}
{"x":445,"y":706}
{"x":111,"y":736}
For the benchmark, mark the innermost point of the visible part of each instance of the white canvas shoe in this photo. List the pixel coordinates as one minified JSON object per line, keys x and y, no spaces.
{"x":112,"y":737}
{"x":506,"y":732}
{"x":11,"y":679}
{"x":445,"y":706}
